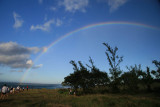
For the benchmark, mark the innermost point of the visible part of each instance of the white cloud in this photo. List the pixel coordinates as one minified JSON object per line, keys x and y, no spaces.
{"x":40,"y":1}
{"x":37,"y":66}
{"x":45,"y":27}
{"x":29,"y":62}
{"x":59,"y":22}
{"x":115,"y":4}
{"x":75,"y":5}
{"x":14,"y":55}
{"x":18,"y":21}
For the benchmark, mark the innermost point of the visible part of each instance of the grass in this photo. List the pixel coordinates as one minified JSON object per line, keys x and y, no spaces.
{"x":53,"y":98}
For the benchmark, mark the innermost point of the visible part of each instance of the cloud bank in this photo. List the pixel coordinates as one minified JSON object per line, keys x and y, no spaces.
{"x":17,"y":56}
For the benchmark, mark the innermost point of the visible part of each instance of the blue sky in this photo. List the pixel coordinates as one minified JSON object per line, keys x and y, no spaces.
{"x":28,"y":27}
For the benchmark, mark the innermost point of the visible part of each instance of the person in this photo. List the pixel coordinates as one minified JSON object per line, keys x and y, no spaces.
{"x":11,"y":90}
{"x":18,"y":89}
{"x":4,"y":91}
{"x":27,"y":87}
{"x":70,"y":91}
{"x":74,"y":93}
{"x":8,"y":90}
{"x":23,"y":88}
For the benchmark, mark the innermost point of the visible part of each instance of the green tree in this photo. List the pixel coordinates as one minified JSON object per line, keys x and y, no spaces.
{"x":147,"y":79}
{"x":84,"y":80}
{"x":97,"y":77}
{"x":114,"y":62}
{"x":156,"y":73}
{"x":80,"y":78}
{"x":131,"y":78}
{"x":73,"y":79}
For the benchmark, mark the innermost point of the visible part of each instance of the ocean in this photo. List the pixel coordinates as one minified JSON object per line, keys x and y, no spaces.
{"x":32,"y":85}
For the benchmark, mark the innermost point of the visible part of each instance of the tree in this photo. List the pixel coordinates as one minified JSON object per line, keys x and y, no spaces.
{"x":84,"y":80}
{"x":97,"y":77}
{"x":73,"y":79}
{"x":114,"y":62}
{"x":147,"y":79}
{"x":131,"y":78}
{"x":156,"y":73}
{"x":80,"y":78}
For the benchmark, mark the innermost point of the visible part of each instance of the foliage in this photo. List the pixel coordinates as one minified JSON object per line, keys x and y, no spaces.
{"x":80,"y":78}
{"x":157,"y":72}
{"x":114,"y":62}
{"x":85,"y":79}
{"x":63,"y":91}
{"x":73,"y":79}
{"x":97,"y":77}
{"x":147,"y":79}
{"x":131,"y":78}
{"x":90,"y":79}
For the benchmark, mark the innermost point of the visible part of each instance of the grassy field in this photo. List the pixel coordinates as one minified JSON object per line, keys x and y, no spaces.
{"x":52,"y":98}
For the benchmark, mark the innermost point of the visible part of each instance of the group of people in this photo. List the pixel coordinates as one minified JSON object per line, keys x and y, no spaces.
{"x":6,"y":90}
{"x":71,"y":92}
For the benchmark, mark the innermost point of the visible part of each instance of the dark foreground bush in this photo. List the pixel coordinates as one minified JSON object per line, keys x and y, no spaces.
{"x":63,"y":91}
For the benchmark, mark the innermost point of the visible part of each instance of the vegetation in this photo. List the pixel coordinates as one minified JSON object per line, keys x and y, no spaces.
{"x":95,"y":88}
{"x":114,"y":61}
{"x":89,"y":79}
{"x":61,"y":98}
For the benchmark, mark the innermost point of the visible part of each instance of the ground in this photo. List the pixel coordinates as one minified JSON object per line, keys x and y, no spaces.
{"x":53,"y":98}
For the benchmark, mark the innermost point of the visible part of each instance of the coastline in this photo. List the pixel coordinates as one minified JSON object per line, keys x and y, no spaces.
{"x":32,"y":85}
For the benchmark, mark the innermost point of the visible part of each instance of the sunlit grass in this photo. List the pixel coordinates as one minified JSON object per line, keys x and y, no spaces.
{"x":52,"y":98}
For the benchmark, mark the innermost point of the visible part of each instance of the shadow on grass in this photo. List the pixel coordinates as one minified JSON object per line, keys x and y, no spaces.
{"x":5,"y":100}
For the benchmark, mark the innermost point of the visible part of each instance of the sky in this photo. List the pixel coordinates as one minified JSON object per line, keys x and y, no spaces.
{"x":38,"y":38}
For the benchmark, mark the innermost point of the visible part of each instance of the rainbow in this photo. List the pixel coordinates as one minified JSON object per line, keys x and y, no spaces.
{"x":89,"y":27}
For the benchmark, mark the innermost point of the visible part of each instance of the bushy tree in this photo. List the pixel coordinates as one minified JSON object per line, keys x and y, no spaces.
{"x":131,"y":78}
{"x":73,"y":79}
{"x":156,"y":73}
{"x":84,"y":80}
{"x":80,"y":78}
{"x":114,"y":62}
{"x":147,"y":79}
{"x":97,"y":77}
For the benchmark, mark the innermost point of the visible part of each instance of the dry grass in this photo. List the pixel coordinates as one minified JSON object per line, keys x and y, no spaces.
{"x":51,"y":98}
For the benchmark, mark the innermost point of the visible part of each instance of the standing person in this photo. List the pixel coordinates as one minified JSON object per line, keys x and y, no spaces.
{"x":70,"y":91}
{"x":8,"y":90}
{"x":11,"y":90}
{"x":27,"y":87}
{"x":3,"y":91}
{"x":18,"y":89}
{"x":23,"y":88}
